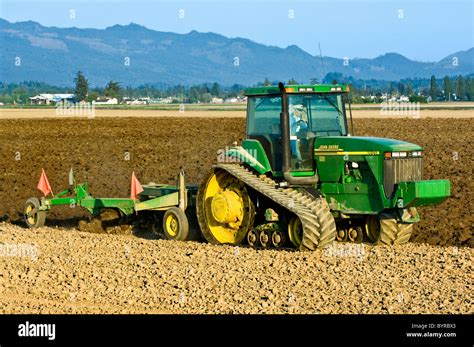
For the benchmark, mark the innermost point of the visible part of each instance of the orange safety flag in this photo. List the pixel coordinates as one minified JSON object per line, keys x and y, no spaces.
{"x":43,"y":184}
{"x":136,"y":187}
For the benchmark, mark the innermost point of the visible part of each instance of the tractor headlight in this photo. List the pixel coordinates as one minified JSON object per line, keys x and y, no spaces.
{"x":414,"y":154}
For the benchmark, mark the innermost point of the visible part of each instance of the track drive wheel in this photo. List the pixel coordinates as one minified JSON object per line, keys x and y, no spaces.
{"x":224,"y":209}
{"x":34,"y":218}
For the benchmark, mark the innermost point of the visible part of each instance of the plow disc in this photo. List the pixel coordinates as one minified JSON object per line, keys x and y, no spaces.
{"x":108,"y":221}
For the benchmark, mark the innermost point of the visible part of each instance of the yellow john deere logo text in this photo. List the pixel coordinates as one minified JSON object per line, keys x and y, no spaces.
{"x":329,"y":148}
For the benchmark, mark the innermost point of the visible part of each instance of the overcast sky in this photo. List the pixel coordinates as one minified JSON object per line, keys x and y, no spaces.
{"x":425,"y":30}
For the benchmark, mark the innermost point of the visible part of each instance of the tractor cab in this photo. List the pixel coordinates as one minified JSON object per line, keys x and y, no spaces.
{"x":311,"y":111}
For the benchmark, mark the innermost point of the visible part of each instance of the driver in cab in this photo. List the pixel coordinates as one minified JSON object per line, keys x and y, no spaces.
{"x":297,"y":124}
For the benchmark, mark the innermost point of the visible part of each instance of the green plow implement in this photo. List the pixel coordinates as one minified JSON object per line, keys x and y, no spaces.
{"x":173,"y":199}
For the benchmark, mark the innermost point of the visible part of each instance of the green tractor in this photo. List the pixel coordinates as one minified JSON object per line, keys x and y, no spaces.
{"x":300,"y":178}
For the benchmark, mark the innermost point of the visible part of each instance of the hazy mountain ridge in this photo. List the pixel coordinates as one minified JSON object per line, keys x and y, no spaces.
{"x":133,"y":55}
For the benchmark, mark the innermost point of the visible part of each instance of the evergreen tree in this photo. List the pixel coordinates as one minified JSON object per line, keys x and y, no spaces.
{"x":460,"y":88}
{"x":392,"y":88}
{"x":447,"y":88}
{"x":401,"y":88}
{"x":433,"y":88}
{"x":82,"y":86}
{"x":113,"y":90}
{"x":216,"y":89}
{"x":470,"y":88}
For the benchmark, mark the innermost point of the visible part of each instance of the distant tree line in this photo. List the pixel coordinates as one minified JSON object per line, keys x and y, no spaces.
{"x":449,"y":88}
{"x":186,"y":94}
{"x":20,"y":92}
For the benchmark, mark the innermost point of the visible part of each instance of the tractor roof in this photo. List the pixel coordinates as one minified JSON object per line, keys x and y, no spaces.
{"x":299,"y":88}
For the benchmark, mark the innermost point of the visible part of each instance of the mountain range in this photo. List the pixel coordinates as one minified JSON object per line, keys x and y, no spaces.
{"x":133,"y":55}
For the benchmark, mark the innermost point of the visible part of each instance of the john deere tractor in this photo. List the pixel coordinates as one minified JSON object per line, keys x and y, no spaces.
{"x":301,"y":178}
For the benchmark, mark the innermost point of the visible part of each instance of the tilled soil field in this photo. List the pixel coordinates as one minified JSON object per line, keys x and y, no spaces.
{"x":442,"y":110}
{"x":49,"y":270}
{"x":63,"y":270}
{"x":106,"y":151}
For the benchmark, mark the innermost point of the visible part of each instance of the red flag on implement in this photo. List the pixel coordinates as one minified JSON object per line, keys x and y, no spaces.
{"x":136,"y":187}
{"x":43,"y":184}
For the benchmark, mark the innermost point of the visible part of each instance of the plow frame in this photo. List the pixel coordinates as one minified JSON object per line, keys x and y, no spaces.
{"x":154,"y":197}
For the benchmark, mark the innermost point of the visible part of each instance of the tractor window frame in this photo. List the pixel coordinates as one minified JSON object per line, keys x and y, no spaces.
{"x":252,"y":120}
{"x":312,"y":112}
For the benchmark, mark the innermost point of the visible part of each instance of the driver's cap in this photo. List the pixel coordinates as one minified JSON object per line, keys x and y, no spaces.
{"x":297,"y":107}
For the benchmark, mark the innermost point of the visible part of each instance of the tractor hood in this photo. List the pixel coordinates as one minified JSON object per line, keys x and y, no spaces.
{"x":361,"y":143}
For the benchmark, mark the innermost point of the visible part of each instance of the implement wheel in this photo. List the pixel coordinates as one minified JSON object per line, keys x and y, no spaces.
{"x":224,"y":209}
{"x":34,"y":218}
{"x":175,"y":224}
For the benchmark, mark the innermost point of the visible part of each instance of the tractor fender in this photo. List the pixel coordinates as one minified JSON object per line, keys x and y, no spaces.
{"x":240,"y":154}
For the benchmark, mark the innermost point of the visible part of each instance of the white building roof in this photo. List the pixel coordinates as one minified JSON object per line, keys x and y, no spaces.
{"x":52,"y":97}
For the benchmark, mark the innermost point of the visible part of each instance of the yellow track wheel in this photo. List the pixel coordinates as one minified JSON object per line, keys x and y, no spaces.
{"x":224,"y":209}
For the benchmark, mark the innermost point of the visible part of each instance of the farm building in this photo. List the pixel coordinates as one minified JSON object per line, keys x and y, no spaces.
{"x":47,"y":99}
{"x":106,"y":101}
{"x":217,"y":101}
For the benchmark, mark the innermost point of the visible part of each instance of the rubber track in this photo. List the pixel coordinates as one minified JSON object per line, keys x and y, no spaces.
{"x":393,"y":232}
{"x":319,"y":227}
